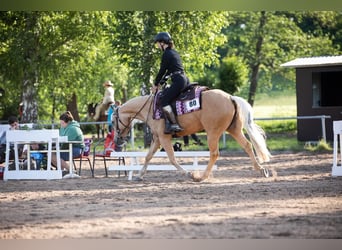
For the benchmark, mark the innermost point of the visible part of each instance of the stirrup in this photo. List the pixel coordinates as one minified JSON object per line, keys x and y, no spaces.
{"x":172,"y":128}
{"x":167,"y":131}
{"x":175,"y":128}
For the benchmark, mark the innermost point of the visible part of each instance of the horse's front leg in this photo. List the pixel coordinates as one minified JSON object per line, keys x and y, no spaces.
{"x":214,"y":153}
{"x":153,"y":148}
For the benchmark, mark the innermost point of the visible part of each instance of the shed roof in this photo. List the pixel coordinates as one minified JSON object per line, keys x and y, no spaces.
{"x":314,"y":62}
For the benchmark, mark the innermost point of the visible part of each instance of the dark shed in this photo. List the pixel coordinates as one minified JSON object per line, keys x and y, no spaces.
{"x":319,"y":92}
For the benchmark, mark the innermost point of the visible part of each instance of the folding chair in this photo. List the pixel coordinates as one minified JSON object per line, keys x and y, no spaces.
{"x":85,"y":156}
{"x":104,"y":155}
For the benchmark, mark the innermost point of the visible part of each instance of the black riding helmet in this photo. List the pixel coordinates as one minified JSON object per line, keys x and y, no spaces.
{"x":162,"y":37}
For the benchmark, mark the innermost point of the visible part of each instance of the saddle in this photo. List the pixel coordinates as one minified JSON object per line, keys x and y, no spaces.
{"x":189,"y":100}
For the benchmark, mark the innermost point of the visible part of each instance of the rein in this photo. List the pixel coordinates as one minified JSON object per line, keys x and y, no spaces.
{"x":118,"y":120}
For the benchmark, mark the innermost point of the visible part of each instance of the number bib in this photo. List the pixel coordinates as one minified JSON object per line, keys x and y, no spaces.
{"x":192,"y":104}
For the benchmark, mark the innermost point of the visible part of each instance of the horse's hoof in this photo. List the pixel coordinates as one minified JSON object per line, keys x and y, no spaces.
{"x":197,"y":179}
{"x":190,"y":175}
{"x":265,"y":172}
{"x":138,"y":179}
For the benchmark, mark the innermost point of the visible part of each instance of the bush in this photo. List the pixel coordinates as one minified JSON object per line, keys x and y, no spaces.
{"x":232,"y":74}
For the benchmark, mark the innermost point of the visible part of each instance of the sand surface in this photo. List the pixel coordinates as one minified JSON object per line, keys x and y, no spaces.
{"x":302,"y":201}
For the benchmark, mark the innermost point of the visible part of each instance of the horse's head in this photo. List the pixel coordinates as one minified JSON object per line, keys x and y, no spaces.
{"x":91,"y":109}
{"x":124,"y":116}
{"x":122,"y":126}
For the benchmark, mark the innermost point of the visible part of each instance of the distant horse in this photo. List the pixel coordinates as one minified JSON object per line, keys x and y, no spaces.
{"x":220,"y":112}
{"x":102,"y":118}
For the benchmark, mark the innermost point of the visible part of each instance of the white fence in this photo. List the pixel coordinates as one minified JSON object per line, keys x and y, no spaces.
{"x":337,"y":158}
{"x":321,"y":117}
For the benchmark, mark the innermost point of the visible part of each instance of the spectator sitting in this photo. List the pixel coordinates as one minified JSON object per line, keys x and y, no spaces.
{"x":71,"y":129}
{"x":13,"y":125}
{"x":36,"y":157}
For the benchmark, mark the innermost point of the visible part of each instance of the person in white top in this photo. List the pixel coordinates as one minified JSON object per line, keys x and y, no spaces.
{"x":108,"y":99}
{"x":13,"y":124}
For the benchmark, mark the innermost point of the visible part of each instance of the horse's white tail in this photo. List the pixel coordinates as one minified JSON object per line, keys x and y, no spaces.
{"x":256,"y":134}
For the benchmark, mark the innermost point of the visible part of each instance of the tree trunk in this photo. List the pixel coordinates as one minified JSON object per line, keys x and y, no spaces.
{"x":258,"y":58}
{"x":72,"y":107}
{"x":147,"y":64}
{"x":254,"y":84}
{"x":30,"y":106}
{"x":30,"y":72}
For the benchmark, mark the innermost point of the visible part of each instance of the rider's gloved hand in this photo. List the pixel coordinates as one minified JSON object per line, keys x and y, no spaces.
{"x":154,"y":88}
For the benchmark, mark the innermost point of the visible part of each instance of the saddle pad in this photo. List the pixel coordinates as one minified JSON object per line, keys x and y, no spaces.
{"x":182,"y":106}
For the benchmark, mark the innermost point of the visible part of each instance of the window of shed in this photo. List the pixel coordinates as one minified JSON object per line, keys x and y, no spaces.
{"x":326,"y":89}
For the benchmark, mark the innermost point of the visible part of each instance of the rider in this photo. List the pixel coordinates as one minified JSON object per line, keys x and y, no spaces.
{"x":171,"y":65}
{"x":108,"y":99}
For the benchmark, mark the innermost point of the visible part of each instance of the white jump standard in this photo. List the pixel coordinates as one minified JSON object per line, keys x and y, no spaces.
{"x":136,"y":166}
{"x":337,"y":168}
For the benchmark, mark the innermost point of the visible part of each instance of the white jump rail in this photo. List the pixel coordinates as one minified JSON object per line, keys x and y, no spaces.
{"x":337,"y":168}
{"x":136,"y":166}
{"x":6,"y":127}
{"x":18,"y":137}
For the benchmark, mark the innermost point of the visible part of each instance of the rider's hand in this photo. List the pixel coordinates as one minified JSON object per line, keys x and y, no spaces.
{"x":154,"y":89}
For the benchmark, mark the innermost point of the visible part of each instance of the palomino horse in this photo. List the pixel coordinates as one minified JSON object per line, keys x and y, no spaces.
{"x":220,"y":112}
{"x":102,"y":118}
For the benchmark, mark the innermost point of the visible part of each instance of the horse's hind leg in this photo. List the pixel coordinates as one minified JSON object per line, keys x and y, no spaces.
{"x":247,"y":146}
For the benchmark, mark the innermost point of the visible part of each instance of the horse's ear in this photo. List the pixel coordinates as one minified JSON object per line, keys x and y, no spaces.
{"x":115,"y":109}
{"x":112,"y":106}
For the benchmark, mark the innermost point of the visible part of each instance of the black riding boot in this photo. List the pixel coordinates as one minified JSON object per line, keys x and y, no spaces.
{"x":171,"y":125}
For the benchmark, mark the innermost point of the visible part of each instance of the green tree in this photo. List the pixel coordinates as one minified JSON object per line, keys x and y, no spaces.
{"x":267,"y":39}
{"x":48,"y":55}
{"x":22,"y":56}
{"x":196,"y":34}
{"x":319,"y":24}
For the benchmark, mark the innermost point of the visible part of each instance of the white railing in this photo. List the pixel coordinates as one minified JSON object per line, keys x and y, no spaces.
{"x":321,"y":117}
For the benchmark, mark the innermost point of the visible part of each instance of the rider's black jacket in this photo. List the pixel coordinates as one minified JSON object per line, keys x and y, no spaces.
{"x":171,"y":65}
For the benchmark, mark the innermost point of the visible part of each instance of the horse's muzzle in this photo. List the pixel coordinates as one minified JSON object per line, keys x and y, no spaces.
{"x":120,"y":141}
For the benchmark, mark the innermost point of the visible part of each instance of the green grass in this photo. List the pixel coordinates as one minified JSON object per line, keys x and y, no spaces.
{"x":322,"y":146}
{"x":275,"y":104}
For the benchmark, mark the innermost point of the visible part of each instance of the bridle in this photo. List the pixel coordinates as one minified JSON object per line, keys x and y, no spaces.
{"x":127,"y":126}
{"x":118,"y":120}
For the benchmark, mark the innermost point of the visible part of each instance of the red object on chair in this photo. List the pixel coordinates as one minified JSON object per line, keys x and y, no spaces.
{"x":108,"y":147}
{"x":109,"y":144}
